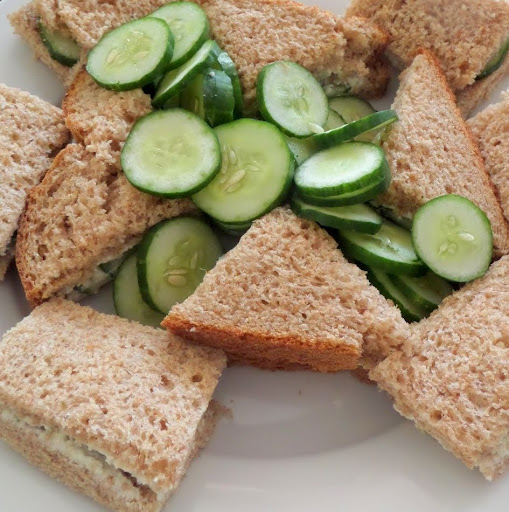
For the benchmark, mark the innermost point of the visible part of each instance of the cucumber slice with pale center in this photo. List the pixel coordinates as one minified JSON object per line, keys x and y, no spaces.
{"x":132,"y":55}
{"x":495,"y":62}
{"x":173,"y":259}
{"x":190,"y":28}
{"x":176,"y":80}
{"x":369,"y":124}
{"x":427,"y":291}
{"x":290,"y":97}
{"x":343,"y":169}
{"x":359,"y":217}
{"x":256,"y":173}
{"x":351,"y":108}
{"x":127,"y":297}
{"x":453,"y":237}
{"x":390,"y":249}
{"x":171,"y":153}
{"x":410,"y":311}
{"x":63,"y":49}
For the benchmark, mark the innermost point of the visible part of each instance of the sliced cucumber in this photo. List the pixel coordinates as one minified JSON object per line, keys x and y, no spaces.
{"x":171,"y":153}
{"x":173,"y":102}
{"x":290,"y":97}
{"x":111,"y":267}
{"x":172,"y":260}
{"x":226,"y":64}
{"x":189,"y":26}
{"x":132,"y":55}
{"x":411,"y":312}
{"x":63,"y":49}
{"x":343,"y":169}
{"x":495,"y":62}
{"x":359,"y":217}
{"x":427,"y":291}
{"x":210,"y":96}
{"x":351,"y":108}
{"x":177,"y":79}
{"x":358,"y":196}
{"x":372,"y":123}
{"x":453,"y":237}
{"x":127,"y":297}
{"x":302,"y":149}
{"x":334,"y":120}
{"x":233,"y":229}
{"x":256,"y":173}
{"x":390,"y":249}
{"x":400,"y":220}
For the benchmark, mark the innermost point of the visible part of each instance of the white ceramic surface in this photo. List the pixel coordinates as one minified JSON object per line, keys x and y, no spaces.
{"x":298,"y":442}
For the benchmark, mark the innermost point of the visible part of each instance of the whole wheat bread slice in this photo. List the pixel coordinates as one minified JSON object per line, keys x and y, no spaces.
{"x":82,"y":214}
{"x":99,"y":118}
{"x":452,"y":378}
{"x":339,"y":52}
{"x":286,"y":296}
{"x":24,"y":23}
{"x":31,"y":133}
{"x":462,"y":34}
{"x":111,"y":408}
{"x":431,"y":150}
{"x":491,"y":130}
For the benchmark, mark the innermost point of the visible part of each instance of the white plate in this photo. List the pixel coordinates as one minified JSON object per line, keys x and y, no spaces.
{"x":298,"y":442}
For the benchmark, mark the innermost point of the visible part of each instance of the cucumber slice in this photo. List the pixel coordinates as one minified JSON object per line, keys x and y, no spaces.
{"x":453,"y":237}
{"x":233,"y":229}
{"x":63,"y":49}
{"x":400,"y":220}
{"x":372,"y":123}
{"x":210,"y":96}
{"x":172,"y":260}
{"x":256,"y":173}
{"x":428,"y":291}
{"x":290,"y":97}
{"x":173,"y":102}
{"x":495,"y":62}
{"x":127,"y":297}
{"x":190,"y":27}
{"x":177,"y":79}
{"x":358,"y":196}
{"x":410,"y":311}
{"x":302,"y":149}
{"x":351,"y":108}
{"x":171,"y":153}
{"x":226,"y":64}
{"x":390,"y":249}
{"x":345,"y":168}
{"x":132,"y":55}
{"x":359,"y":217}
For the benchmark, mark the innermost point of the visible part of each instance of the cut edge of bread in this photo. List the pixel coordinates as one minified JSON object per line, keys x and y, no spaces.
{"x":85,"y":470}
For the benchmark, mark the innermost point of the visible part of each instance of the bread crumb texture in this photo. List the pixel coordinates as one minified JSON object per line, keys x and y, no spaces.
{"x":452,"y":378}
{"x":31,"y":133}
{"x":130,"y":393}
{"x":491,"y":130}
{"x":102,"y":119}
{"x":431,"y":151}
{"x":285,"y":296}
{"x":24,"y":22}
{"x":83,"y":213}
{"x":346,"y":53}
{"x":463,"y":35}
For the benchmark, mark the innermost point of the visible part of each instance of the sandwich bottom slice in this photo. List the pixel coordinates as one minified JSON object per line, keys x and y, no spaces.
{"x":111,"y":408}
{"x":452,"y":378}
{"x":286,"y":298}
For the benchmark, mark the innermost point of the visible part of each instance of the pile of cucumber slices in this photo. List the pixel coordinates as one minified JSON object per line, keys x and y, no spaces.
{"x":321,"y":154}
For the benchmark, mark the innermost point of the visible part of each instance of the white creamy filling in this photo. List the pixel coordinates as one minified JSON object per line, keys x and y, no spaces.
{"x":80,"y":454}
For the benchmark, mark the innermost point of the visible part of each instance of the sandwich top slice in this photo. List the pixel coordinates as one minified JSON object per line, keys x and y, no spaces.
{"x":25,"y":24}
{"x":31,"y":133}
{"x":285,"y":296}
{"x":465,"y":35}
{"x":452,"y":378}
{"x":111,"y":408}
{"x":83,"y":214}
{"x":343,"y":54}
{"x":99,"y":118}
{"x":491,"y":130}
{"x":431,"y":151}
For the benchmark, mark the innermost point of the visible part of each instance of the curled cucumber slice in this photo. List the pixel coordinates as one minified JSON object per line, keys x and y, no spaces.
{"x":63,"y":49}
